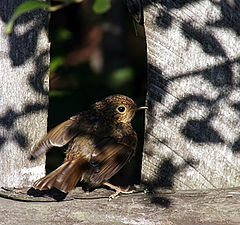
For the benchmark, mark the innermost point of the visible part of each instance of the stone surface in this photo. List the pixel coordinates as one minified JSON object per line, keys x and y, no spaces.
{"x":212,"y":207}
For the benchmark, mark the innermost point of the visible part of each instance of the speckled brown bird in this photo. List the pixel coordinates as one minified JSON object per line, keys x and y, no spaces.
{"x":101,"y":141}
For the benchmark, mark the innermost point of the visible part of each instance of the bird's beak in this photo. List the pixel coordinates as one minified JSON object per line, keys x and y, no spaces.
{"x":142,"y":107}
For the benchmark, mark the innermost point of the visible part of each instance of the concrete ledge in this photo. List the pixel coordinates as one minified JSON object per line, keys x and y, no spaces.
{"x":213,"y":207}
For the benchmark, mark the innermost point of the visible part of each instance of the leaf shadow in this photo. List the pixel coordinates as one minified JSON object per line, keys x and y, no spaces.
{"x":164,"y":180}
{"x":208,"y":42}
{"x":22,"y":44}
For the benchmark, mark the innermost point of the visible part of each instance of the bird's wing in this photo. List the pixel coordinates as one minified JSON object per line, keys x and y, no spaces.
{"x":57,"y":137}
{"x":109,"y":157}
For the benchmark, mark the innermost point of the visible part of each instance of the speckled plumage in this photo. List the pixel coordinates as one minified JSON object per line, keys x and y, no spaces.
{"x":101,"y":140}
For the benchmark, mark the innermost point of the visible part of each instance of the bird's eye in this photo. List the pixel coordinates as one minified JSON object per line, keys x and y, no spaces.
{"x":121,"y":109}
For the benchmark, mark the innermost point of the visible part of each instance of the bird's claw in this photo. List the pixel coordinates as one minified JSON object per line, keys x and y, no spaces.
{"x":120,"y":190}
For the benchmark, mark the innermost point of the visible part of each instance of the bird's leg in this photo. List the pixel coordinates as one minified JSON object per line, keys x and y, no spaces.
{"x":118,"y":190}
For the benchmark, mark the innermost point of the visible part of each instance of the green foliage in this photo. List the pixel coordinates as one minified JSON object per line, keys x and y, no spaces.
{"x":122,"y":75}
{"x":61,"y":34}
{"x":23,"y":8}
{"x":101,"y":6}
{"x":56,"y":62}
{"x":59,"y":93}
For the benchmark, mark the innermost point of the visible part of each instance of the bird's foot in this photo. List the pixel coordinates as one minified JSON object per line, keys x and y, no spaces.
{"x":118,"y":190}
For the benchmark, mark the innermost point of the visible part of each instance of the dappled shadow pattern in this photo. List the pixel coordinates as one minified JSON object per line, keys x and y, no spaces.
{"x":219,"y":76}
{"x":200,"y":131}
{"x":23,"y":45}
{"x":22,"y":49}
{"x":164,"y":20}
{"x":8,"y":120}
{"x":160,"y":200}
{"x":197,"y":111}
{"x":230,"y":13}
{"x":166,"y":173}
{"x":2,"y":141}
{"x":182,"y":105}
{"x":236,"y":144}
{"x":164,"y":179}
{"x":36,"y":79}
{"x":208,"y":42}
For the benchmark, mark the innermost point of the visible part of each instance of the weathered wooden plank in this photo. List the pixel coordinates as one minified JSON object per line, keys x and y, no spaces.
{"x":192,"y":125}
{"x":215,"y":207}
{"x":24,"y":67}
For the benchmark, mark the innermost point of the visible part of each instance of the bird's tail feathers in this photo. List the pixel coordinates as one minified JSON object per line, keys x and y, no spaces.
{"x":64,"y":177}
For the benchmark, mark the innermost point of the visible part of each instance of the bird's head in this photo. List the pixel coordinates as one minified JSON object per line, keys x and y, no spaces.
{"x":118,"y":108}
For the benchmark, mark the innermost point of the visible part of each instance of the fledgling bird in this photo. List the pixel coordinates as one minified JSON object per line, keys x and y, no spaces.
{"x":101,"y":141}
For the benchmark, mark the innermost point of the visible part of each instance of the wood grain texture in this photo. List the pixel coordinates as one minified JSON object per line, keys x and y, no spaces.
{"x":24,"y":67}
{"x":217,"y":207}
{"x":192,"y":126}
